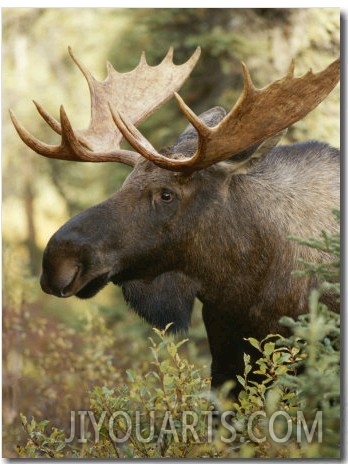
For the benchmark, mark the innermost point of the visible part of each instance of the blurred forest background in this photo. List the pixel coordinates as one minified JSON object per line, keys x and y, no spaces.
{"x":55,"y":351}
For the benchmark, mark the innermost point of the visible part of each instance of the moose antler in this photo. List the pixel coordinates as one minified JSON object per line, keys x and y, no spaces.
{"x":257,"y":115}
{"x":138,"y":93}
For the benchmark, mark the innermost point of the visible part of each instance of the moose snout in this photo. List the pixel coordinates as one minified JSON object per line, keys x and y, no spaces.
{"x":74,"y":261}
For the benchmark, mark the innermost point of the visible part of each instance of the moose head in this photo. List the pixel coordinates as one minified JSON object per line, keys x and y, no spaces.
{"x":208,"y":217}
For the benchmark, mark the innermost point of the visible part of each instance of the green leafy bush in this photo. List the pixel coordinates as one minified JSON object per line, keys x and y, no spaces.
{"x":162,"y":413}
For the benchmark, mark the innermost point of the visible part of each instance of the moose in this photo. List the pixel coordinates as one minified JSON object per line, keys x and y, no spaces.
{"x":207,"y":218}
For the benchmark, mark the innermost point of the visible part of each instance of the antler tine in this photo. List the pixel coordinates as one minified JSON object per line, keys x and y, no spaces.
{"x":142,"y":61}
{"x":49,"y":151}
{"x":64,"y":151}
{"x":248,"y":83}
{"x":53,"y":123}
{"x":169,"y":55}
{"x":291,"y":69}
{"x":257,"y":115}
{"x":201,"y":128}
{"x":140,"y":143}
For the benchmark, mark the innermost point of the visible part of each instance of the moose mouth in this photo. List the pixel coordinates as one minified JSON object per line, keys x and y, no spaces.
{"x":93,"y":286}
{"x":70,"y":281}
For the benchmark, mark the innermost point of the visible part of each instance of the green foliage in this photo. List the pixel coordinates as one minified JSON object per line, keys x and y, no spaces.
{"x":299,"y":379}
{"x":157,"y":402}
{"x":164,"y":413}
{"x":328,"y":272}
{"x":40,"y":444}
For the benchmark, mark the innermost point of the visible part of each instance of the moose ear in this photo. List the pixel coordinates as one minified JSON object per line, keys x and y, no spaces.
{"x":167,"y":298}
{"x":243,"y":161}
{"x":187,"y":142}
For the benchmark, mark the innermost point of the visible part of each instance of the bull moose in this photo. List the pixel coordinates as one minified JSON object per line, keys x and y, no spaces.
{"x":206,"y":218}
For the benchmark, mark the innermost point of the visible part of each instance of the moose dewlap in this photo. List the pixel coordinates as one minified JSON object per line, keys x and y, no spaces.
{"x":207,"y":218}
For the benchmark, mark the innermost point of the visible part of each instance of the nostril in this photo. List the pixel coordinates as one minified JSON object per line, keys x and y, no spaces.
{"x":60,"y":281}
{"x":68,"y":290}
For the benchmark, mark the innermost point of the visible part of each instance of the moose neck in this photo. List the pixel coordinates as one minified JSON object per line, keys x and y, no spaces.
{"x":223,"y":241}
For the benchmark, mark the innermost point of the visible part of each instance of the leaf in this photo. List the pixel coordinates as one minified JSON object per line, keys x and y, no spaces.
{"x":182,"y":342}
{"x":172,"y":349}
{"x":130,"y":375}
{"x":157,"y":332}
{"x":168,"y":326}
{"x":285,"y":358}
{"x":262,"y":369}
{"x":241,"y":380}
{"x":278,"y":336}
{"x":281,"y":370}
{"x":247,"y":369}
{"x":243,"y":395}
{"x":254,"y":343}
{"x":168,"y":380}
{"x":268,"y":348}
{"x":60,"y":446}
{"x":164,"y":366}
{"x":154,"y":353}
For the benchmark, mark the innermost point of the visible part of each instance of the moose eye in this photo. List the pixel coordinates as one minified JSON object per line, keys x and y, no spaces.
{"x":167,"y":196}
